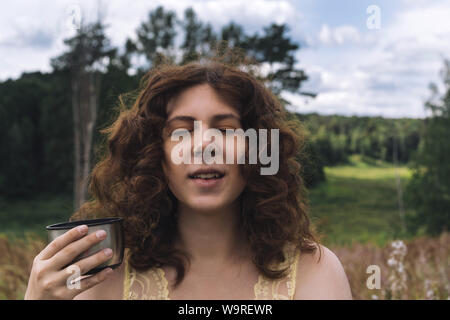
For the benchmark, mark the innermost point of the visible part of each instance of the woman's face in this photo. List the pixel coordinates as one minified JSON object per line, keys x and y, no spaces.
{"x":193,"y":188}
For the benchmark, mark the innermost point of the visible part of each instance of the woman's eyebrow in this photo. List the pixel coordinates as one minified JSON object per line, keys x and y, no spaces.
{"x":182,"y":118}
{"x":219,"y":117}
{"x":215,"y":118}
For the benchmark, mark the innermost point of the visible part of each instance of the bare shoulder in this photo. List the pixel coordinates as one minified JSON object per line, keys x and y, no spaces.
{"x":320,"y":276}
{"x":110,"y":289}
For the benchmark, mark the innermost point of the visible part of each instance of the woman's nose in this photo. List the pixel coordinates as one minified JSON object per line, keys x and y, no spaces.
{"x":202,"y":140}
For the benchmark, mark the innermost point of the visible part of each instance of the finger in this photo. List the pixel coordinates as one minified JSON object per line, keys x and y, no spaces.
{"x":94,"y":260}
{"x":62,"y":241}
{"x":73,"y":250}
{"x":88,"y":282}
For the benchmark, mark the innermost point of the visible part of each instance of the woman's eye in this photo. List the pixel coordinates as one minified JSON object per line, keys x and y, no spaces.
{"x":190,"y":129}
{"x":224,"y":130}
{"x":183,"y":129}
{"x":178,"y":131}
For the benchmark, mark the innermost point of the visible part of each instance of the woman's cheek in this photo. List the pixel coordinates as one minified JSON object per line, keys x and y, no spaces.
{"x":234,"y":150}
{"x":169,"y":167}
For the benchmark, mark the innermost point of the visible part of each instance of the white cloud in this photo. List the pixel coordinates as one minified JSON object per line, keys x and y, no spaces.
{"x":339,"y":35}
{"x":384,"y":72}
{"x":39,"y":27}
{"x":32,"y":33}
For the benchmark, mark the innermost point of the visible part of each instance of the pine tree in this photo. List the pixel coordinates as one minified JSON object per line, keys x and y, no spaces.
{"x":429,"y":188}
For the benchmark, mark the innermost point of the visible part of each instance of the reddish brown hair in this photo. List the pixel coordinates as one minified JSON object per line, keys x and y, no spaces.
{"x":129,"y":180}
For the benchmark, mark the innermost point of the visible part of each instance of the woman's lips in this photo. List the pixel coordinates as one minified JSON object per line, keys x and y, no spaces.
{"x":207,"y":183}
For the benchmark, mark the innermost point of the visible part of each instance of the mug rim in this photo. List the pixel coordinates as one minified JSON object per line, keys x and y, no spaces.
{"x":88,"y":222}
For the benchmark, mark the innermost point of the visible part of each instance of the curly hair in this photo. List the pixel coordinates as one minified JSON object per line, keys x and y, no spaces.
{"x":129,"y":182}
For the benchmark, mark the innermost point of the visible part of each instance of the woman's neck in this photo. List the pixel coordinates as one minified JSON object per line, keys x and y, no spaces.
{"x":213,"y":238}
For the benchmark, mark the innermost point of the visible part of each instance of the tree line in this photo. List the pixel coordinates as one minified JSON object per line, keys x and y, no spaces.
{"x":336,"y":137}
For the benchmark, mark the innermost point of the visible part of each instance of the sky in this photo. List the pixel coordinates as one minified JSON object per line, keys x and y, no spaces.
{"x":363,"y":58}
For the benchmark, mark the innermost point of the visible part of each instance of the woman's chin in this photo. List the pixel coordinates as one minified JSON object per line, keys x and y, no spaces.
{"x":207,"y":205}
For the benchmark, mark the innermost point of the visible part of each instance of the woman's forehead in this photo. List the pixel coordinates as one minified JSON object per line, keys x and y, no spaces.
{"x":199,"y":102}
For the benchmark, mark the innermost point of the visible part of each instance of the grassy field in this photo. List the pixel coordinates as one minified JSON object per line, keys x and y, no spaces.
{"x":21,"y":216}
{"x":358,"y":203}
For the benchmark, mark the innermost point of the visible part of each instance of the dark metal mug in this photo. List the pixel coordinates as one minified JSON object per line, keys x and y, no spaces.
{"x":114,"y":239}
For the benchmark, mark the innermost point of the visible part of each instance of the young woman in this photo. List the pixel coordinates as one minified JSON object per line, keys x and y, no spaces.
{"x":197,"y":230}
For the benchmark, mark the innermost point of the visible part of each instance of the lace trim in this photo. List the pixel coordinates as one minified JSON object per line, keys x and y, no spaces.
{"x":138,"y":285}
{"x":268,"y":289}
{"x":153,"y":284}
{"x":163,"y":285}
{"x":126,"y":279}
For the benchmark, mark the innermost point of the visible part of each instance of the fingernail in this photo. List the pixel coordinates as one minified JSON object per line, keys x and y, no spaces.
{"x":108,"y":252}
{"x":82,"y":229}
{"x":101,"y":234}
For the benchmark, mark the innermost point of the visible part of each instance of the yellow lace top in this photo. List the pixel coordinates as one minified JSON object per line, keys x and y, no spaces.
{"x":153,"y":285}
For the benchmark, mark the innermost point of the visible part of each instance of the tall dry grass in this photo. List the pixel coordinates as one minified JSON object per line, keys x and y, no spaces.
{"x":415,"y":269}
{"x":16,"y":259}
{"x":418,"y":269}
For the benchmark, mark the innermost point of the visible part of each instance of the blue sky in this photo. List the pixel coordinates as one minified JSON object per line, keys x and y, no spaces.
{"x":355,"y":70}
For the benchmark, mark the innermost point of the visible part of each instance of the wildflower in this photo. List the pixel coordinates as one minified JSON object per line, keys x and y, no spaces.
{"x":391,"y":262}
{"x":397,"y":278}
{"x":400,"y":268}
{"x":429,"y":292}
